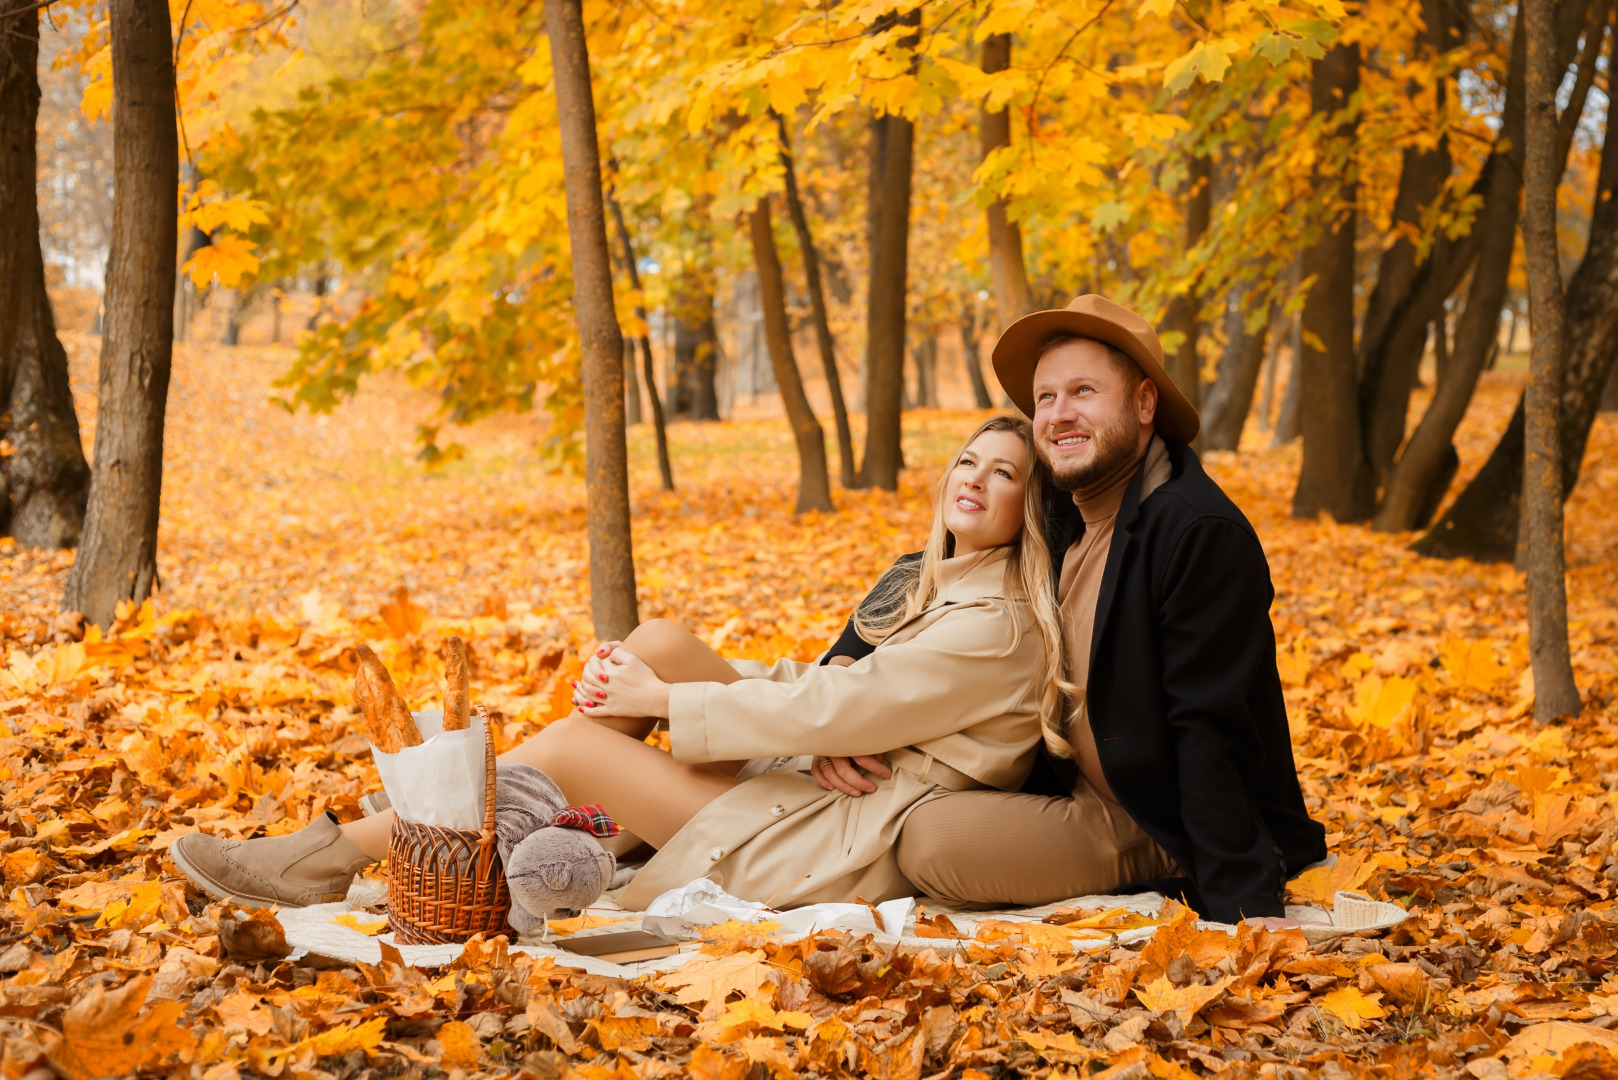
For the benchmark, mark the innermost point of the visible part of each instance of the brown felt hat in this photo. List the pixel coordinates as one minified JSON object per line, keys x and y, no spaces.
{"x":1093,"y":316}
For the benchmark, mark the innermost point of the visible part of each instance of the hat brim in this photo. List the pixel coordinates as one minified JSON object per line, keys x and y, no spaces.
{"x":1016,"y":355}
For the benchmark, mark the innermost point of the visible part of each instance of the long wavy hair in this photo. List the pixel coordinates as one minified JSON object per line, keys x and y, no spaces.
{"x":911,"y":587}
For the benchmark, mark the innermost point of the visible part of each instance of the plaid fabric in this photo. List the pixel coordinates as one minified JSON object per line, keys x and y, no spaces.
{"x":592,"y":819}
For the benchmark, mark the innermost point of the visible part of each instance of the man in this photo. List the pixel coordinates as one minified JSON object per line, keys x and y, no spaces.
{"x":1181,"y":776}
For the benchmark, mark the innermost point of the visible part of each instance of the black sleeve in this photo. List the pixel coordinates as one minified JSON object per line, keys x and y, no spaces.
{"x":1216,"y":638}
{"x":849,"y":643}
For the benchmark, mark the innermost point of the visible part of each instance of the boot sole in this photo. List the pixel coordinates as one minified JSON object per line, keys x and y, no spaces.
{"x":213,"y":888}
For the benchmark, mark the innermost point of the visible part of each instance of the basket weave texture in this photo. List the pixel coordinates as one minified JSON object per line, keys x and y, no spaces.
{"x":446,"y":885}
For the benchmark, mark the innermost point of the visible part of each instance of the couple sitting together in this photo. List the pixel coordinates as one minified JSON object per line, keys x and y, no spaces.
{"x":1070,"y":690}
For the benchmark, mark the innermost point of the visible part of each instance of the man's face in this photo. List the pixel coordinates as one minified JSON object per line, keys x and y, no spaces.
{"x":1089,"y":417}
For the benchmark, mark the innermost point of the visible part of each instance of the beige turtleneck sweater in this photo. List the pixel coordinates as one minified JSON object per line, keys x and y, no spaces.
{"x":1080,"y":588}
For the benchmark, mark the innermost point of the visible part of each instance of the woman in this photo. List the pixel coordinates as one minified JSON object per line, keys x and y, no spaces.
{"x":965,"y":677}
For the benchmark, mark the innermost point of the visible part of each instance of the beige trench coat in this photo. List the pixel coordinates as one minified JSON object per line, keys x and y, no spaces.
{"x":947,"y":683}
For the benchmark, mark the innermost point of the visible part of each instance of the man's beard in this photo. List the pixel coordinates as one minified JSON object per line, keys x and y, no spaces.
{"x":1112,"y":448}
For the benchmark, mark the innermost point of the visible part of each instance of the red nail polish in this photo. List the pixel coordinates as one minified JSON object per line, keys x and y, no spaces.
{"x":603,"y":678}
{"x":601,"y":693}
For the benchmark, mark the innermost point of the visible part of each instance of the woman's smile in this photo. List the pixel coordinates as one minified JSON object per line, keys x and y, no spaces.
{"x":968,"y":503}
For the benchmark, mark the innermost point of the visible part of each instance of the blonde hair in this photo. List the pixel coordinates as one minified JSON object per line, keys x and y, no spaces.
{"x":911,"y":587}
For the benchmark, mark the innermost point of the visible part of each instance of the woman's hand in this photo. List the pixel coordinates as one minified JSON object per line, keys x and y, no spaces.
{"x":594,"y":668}
{"x":843,"y":774}
{"x":621,"y":684}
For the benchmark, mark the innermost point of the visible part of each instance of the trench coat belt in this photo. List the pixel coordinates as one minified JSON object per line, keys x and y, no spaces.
{"x":928,"y":767}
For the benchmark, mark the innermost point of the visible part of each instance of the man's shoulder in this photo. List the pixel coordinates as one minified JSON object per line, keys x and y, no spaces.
{"x":1191,"y":499}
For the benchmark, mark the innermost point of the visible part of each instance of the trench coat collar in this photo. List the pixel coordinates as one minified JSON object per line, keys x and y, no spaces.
{"x":968,"y":577}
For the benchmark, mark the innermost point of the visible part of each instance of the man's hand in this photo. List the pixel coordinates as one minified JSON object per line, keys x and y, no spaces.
{"x":843,"y":774}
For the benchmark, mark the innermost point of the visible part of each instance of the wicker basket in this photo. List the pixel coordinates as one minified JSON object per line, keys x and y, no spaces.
{"x":445,"y":885}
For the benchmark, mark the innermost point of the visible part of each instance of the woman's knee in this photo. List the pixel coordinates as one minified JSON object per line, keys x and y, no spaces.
{"x":660,"y":643}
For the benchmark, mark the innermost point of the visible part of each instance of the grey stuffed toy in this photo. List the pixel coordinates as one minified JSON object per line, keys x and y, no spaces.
{"x":548,"y":869}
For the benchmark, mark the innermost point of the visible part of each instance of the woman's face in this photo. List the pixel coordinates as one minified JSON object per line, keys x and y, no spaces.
{"x":984,"y":494}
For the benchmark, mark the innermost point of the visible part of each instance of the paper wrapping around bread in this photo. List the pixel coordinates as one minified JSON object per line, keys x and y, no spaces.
{"x":441,"y":780}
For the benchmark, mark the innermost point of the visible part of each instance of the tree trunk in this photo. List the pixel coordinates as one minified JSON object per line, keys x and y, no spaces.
{"x":631,"y":385}
{"x":1388,"y":376}
{"x":241,"y":301}
{"x":1008,"y":274}
{"x":696,"y":355}
{"x":1183,"y":366}
{"x":44,"y":482}
{"x":925,"y":354}
{"x":1483,"y":522}
{"x":1328,"y":401}
{"x":1286,"y":424}
{"x":814,"y":486}
{"x":606,"y":456}
{"x":1419,"y":468}
{"x":117,"y":557}
{"x":664,"y":470}
{"x":1230,"y":398}
{"x":817,"y":305}
{"x":317,"y":293}
{"x":885,"y":306}
{"x":974,"y":362}
{"x":1555,"y":693}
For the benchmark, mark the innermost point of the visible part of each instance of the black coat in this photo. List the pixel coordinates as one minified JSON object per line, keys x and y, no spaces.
{"x":1184,"y":697}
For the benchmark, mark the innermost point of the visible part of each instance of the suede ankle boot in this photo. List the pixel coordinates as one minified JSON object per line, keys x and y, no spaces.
{"x":314,"y":865}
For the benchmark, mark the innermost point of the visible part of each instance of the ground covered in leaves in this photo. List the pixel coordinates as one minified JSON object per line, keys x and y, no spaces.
{"x":225,"y":706}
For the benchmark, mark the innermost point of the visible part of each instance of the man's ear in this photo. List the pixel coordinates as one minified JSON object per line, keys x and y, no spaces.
{"x":1146,"y":402}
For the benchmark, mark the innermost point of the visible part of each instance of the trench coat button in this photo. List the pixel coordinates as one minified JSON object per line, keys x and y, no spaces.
{"x":716,"y":854}
{"x":777,"y":810}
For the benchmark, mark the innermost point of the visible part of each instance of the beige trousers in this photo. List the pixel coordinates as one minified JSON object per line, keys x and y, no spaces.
{"x":979,"y":849}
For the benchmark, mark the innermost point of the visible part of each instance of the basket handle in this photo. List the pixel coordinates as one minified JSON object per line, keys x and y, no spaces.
{"x":488,"y":769}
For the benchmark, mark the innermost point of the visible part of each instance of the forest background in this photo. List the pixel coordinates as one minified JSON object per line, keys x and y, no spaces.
{"x":744,"y":280}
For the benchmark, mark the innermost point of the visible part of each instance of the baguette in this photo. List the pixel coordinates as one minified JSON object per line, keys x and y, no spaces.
{"x":387,"y":716}
{"x":457,"y":700}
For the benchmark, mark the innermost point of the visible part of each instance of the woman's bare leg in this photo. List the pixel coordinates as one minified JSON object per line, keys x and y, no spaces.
{"x":676,"y":655}
{"x":645,"y":790}
{"x":635,"y":782}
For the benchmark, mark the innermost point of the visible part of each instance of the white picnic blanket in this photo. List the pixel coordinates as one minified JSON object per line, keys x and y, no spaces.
{"x":680,"y":913}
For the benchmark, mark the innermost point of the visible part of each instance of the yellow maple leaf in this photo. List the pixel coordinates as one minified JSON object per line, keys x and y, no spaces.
{"x":106,"y":1033}
{"x":716,"y":979}
{"x":1063,"y":1047}
{"x":228,"y":259}
{"x":370,"y":927}
{"x":1163,"y":996}
{"x":750,"y":1010}
{"x":458,"y":1044}
{"x":1352,"y":1007}
{"x":1321,"y":884}
{"x":132,"y":913}
{"x":1472,"y":664}
{"x":403,"y":616}
{"x":342,"y":1040}
{"x":1381,"y":702}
